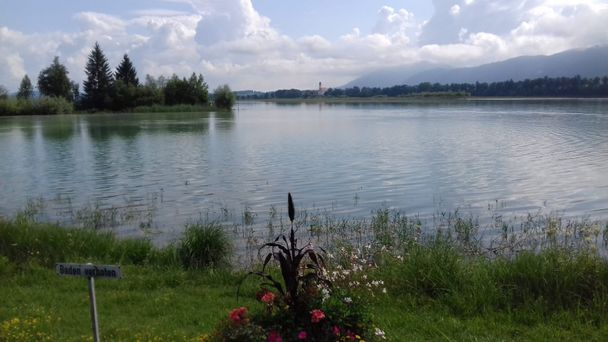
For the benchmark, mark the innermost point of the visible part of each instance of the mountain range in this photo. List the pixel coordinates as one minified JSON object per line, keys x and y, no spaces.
{"x":590,"y":62}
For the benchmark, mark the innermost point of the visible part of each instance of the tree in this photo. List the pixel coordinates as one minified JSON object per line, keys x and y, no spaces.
{"x":126,"y":83}
{"x":182,"y":91}
{"x":126,"y":72}
{"x":25,"y":89}
{"x":3,"y":93}
{"x":54,"y":81}
{"x":223,"y":97}
{"x":98,"y":85}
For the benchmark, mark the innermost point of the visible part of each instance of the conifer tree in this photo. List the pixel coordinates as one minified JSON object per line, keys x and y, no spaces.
{"x":126,"y":72}
{"x":25,"y":89}
{"x":98,"y":85}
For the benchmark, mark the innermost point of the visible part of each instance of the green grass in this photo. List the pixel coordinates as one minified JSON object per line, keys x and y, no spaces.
{"x":204,"y":245}
{"x":438,"y":288}
{"x":39,"y":106}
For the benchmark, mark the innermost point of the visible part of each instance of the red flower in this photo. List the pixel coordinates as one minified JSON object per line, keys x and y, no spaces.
{"x":335,"y":330}
{"x":274,"y":336}
{"x":302,"y":335}
{"x":238,"y":315}
{"x":268,"y":297}
{"x":316,"y":316}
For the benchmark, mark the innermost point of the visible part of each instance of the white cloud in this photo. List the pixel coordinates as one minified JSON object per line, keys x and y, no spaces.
{"x":228,"y":41}
{"x":455,"y":10}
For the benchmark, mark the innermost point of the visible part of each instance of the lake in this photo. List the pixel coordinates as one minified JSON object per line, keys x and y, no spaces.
{"x":160,"y":171}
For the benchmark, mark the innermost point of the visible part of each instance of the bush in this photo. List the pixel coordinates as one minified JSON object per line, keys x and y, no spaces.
{"x":223,"y":97}
{"x":41,"y":106}
{"x":204,"y":245}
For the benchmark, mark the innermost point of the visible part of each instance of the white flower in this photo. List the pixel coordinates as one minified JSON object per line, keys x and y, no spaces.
{"x":324,"y":295}
{"x":384,"y":290}
{"x":348,"y":300}
{"x":378,"y":332}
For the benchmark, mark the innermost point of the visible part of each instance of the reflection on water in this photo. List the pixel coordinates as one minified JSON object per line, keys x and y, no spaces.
{"x":348,"y":158}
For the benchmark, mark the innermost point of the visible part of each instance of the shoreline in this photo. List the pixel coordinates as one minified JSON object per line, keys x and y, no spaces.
{"x":415,"y":99}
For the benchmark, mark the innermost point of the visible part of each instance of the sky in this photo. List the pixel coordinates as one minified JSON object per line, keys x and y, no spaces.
{"x":273,"y":44}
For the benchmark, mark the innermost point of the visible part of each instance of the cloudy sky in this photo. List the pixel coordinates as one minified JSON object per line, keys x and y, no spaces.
{"x":270,"y":44}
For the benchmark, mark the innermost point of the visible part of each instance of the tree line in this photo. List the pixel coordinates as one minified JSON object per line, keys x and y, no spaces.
{"x":104,"y":89}
{"x":540,"y":87}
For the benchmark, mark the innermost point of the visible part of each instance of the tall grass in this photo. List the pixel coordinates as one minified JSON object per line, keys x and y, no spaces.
{"x":40,"y":106}
{"x":46,"y":244}
{"x":546,"y":282}
{"x":204,"y":245}
{"x":22,"y":242}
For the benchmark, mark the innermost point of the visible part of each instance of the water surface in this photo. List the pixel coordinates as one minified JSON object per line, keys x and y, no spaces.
{"x":169,"y":169}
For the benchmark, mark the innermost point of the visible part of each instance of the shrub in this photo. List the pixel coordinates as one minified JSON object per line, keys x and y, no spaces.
{"x":204,"y":245}
{"x":223,"y":97}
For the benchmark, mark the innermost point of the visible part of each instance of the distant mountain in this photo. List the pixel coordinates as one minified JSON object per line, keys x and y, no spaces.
{"x":589,"y":62}
{"x":391,"y":76}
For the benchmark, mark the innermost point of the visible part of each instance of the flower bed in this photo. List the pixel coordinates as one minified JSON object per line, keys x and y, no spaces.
{"x":305,"y":305}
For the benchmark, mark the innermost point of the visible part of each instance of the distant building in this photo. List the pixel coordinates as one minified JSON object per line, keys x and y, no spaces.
{"x":322,"y":89}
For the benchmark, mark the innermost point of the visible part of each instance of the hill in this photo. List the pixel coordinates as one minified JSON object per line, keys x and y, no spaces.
{"x":587,"y":63}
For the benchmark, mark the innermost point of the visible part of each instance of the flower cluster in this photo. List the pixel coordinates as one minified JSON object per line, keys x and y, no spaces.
{"x":238,"y":316}
{"x":304,"y":305}
{"x":352,"y":270}
{"x":25,"y":329}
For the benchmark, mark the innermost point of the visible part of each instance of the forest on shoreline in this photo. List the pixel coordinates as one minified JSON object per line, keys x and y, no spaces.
{"x":107,"y":90}
{"x":540,"y":87}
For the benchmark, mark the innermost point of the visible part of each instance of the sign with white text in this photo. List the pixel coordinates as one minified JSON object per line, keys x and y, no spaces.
{"x":89,"y":270}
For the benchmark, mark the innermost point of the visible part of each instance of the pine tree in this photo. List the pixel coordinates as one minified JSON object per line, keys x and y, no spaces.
{"x":126,"y":72}
{"x":54,"y":81}
{"x":25,"y":89}
{"x":98,"y":85}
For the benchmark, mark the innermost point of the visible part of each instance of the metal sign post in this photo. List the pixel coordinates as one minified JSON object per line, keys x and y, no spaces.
{"x":93,"y":304}
{"x":91,"y":272}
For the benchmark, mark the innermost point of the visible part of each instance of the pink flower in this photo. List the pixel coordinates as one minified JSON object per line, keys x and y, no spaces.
{"x":316,"y":316}
{"x":268,"y":297}
{"x":274,"y":336}
{"x":238,"y":315}
{"x":335,"y":330}
{"x":302,"y":335}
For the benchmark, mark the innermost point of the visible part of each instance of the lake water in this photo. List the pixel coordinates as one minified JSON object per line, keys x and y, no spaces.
{"x":163,"y":170}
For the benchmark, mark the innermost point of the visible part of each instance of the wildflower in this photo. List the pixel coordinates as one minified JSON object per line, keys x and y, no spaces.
{"x":324,"y":294}
{"x":273,"y":336}
{"x":238,"y":315}
{"x":380,"y":333}
{"x":348,"y":300}
{"x":302,"y":335}
{"x":316,"y":316}
{"x":335,"y":330}
{"x":268,"y":297}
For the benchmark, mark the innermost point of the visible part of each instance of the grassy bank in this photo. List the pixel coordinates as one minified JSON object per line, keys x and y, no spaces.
{"x":54,"y":105}
{"x":438,"y":287}
{"x":41,"y":106}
